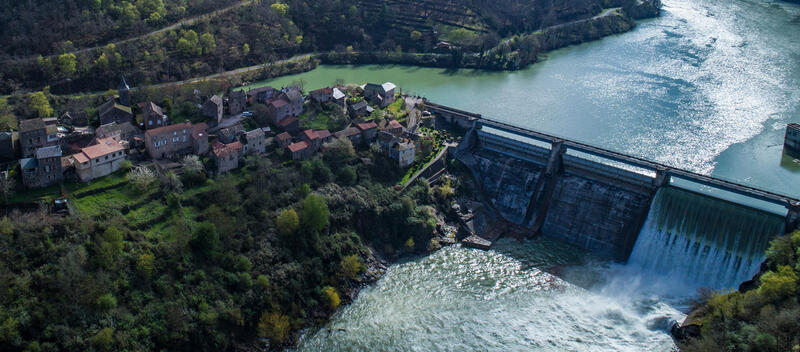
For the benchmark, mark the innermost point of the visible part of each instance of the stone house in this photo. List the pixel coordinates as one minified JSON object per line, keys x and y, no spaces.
{"x":394,"y":128}
{"x":368,"y":131}
{"x":312,"y":139}
{"x":230,"y":134}
{"x":44,"y":169}
{"x":286,"y":104}
{"x":8,"y":146}
{"x":262,"y":94}
{"x":322,"y":95}
{"x":380,"y":94}
{"x":325,"y":136}
{"x":176,"y":140}
{"x":152,"y":116}
{"x":99,"y":160}
{"x":284,"y":139}
{"x":359,"y":109}
{"x":403,"y":152}
{"x":227,"y":156}
{"x":213,"y":108}
{"x":339,"y":98}
{"x":35,"y":134}
{"x":290,"y":124}
{"x":351,"y":133}
{"x":112,"y":111}
{"x":237,"y":102}
{"x":300,"y":150}
{"x":120,"y":132}
{"x":254,"y":142}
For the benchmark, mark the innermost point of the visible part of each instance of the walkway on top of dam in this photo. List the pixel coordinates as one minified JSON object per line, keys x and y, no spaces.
{"x":471,"y":120}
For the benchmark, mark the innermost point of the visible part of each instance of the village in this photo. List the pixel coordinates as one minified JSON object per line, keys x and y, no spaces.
{"x":287,"y":125}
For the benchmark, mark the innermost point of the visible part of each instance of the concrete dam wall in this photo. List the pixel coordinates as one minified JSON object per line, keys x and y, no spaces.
{"x":608,"y":202}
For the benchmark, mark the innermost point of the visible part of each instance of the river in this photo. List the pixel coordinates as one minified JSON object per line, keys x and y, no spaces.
{"x":708,"y":86}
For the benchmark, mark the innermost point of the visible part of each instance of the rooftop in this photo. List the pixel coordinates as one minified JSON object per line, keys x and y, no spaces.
{"x":287,"y":121}
{"x":171,"y":128}
{"x":326,"y":90}
{"x":323,"y":133}
{"x":285,"y":136}
{"x":221,"y":150}
{"x":296,"y":147}
{"x":366,"y":125}
{"x":48,"y":152}
{"x":310,"y":134}
{"x":103,"y":147}
{"x":31,"y":124}
{"x":348,"y":132}
{"x":395,"y":124}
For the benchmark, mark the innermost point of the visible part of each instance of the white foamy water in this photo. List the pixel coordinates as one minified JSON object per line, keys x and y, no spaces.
{"x":461,"y":299}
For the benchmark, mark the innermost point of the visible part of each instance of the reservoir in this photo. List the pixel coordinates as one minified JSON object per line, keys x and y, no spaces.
{"x":708,"y":86}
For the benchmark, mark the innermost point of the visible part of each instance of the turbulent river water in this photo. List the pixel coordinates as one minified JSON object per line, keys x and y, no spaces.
{"x":708,"y":86}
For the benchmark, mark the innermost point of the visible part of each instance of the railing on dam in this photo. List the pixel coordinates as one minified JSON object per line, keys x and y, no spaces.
{"x":663,"y":172}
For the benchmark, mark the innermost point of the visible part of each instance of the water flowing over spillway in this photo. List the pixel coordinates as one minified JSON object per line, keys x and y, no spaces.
{"x":695,"y":241}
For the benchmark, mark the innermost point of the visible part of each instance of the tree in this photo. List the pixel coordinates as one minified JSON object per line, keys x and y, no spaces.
{"x":103,"y":339}
{"x":330,"y":297}
{"x":347,"y":175}
{"x":280,"y":8}
{"x":263,"y":281}
{"x":416,"y":35}
{"x":207,"y":43}
{"x":67,"y":64}
{"x":339,"y":151}
{"x":778,"y":285}
{"x":108,"y":246}
{"x":142,"y":178}
{"x":245,"y":49}
{"x":145,"y":265}
{"x":315,"y":213}
{"x":274,"y":326}
{"x":351,"y":267}
{"x":7,"y":119}
{"x":193,"y":170}
{"x":205,"y":239}
{"x":106,"y":302}
{"x":40,"y":105}
{"x":288,"y":222}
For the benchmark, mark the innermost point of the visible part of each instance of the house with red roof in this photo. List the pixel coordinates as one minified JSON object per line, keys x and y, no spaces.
{"x":99,"y":160}
{"x":227,"y":156}
{"x":175,"y":140}
{"x":284,"y":139}
{"x":300,"y":150}
{"x":368,"y":131}
{"x":394,"y":128}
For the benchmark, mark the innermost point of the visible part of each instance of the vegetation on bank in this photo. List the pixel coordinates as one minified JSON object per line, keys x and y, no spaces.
{"x":160,"y":262}
{"x":763,"y":317}
{"x":261,"y":32}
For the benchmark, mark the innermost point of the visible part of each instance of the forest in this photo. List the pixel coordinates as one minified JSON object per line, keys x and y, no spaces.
{"x":195,"y":263}
{"x":93,"y":46}
{"x":761,"y":316}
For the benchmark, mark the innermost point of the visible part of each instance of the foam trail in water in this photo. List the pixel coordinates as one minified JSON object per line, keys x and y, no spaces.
{"x":694,"y":241}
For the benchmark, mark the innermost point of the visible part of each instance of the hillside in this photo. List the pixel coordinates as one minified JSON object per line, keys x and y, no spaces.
{"x":84,"y":57}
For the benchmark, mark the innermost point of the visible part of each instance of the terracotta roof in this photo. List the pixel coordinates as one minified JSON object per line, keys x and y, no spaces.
{"x":278,"y":103}
{"x":199,"y":130}
{"x":285,"y":136}
{"x":395,"y":124}
{"x":310,"y":134}
{"x":80,"y":157}
{"x":295,"y":147}
{"x":287,"y":121}
{"x":221,"y":150}
{"x":103,"y":147}
{"x":172,"y":128}
{"x":326,"y":90}
{"x":366,"y":125}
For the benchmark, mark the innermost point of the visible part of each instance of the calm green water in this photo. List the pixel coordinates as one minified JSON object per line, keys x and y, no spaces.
{"x":708,"y":86}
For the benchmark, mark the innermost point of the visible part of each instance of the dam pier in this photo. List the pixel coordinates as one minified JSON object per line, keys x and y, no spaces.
{"x":608,"y":202}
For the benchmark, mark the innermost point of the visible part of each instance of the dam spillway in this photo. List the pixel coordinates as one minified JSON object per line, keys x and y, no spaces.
{"x":611,"y":203}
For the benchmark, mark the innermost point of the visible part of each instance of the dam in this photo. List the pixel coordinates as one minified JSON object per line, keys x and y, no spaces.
{"x":661,"y":218}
